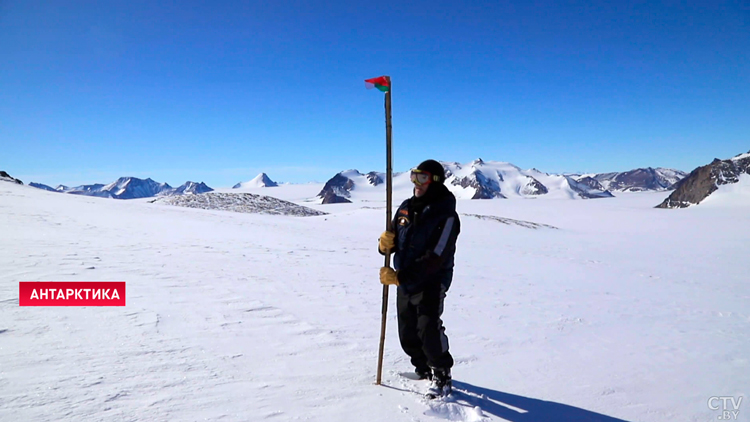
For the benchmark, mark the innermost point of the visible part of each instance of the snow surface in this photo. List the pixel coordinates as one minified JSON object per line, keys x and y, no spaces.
{"x":289,"y":192}
{"x":7,"y":179}
{"x":736,"y":195}
{"x":624,"y":312}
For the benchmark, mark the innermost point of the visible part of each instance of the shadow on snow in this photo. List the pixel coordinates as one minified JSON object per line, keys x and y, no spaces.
{"x":523,"y":409}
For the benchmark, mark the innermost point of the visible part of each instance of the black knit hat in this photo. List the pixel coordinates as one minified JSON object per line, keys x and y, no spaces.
{"x":434,"y":168}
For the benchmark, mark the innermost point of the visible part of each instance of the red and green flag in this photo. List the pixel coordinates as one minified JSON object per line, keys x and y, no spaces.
{"x":381,"y":82}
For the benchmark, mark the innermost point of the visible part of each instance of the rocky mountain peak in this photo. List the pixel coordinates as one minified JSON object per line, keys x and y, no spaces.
{"x":485,"y":188}
{"x":337,"y":189}
{"x":191,"y":188}
{"x":375,"y":178}
{"x":705,"y":180}
{"x":7,"y":178}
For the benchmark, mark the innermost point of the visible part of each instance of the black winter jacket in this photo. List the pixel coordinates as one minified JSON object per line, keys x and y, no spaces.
{"x":426,"y":236}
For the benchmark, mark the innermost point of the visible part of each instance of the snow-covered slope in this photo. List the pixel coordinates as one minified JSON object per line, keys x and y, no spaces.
{"x":42,"y":186}
{"x":296,"y":192}
{"x":731,"y":194}
{"x":260,"y":181}
{"x":622,"y":313}
{"x":86,"y":190}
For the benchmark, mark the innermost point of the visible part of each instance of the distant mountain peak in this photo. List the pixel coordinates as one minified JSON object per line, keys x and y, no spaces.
{"x":191,"y":188}
{"x":7,"y":178}
{"x":375,"y":178}
{"x":265,"y":181}
{"x":133,"y":187}
{"x":42,"y":186}
{"x":336,"y":190}
{"x":260,"y":181}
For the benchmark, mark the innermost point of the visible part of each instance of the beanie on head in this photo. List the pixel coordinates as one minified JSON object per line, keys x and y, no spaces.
{"x":434,"y":168}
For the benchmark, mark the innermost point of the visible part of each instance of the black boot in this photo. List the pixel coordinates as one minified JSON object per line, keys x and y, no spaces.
{"x":424,"y":373}
{"x":442,"y":383}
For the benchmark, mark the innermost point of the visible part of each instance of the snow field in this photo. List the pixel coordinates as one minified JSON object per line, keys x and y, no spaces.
{"x":624,"y":312}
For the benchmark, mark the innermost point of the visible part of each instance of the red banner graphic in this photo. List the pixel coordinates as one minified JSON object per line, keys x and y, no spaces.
{"x":71,"y":293}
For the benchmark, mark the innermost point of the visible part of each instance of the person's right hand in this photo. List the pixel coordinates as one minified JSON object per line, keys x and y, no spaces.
{"x":387,"y":241}
{"x":388,"y":276}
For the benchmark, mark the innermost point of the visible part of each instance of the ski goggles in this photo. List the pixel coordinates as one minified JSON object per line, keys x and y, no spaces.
{"x":421,"y":177}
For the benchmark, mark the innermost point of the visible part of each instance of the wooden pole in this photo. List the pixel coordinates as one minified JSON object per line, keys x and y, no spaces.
{"x":388,"y":218}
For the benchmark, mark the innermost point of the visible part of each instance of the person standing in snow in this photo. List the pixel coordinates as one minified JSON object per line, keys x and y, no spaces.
{"x":423,"y":239}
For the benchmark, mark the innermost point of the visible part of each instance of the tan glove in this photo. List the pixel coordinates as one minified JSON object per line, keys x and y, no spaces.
{"x":387,"y":241}
{"x":388,"y":276}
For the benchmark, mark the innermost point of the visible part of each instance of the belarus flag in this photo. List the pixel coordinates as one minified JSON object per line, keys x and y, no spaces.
{"x":382,"y":83}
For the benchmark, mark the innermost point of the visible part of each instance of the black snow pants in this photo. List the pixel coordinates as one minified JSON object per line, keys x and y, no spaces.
{"x":420,"y":328}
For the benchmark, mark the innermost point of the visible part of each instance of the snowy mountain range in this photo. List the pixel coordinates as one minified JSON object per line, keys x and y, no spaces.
{"x":481,"y":179}
{"x":642,"y":179}
{"x":705,"y":180}
{"x":129,"y":188}
{"x":478,"y":179}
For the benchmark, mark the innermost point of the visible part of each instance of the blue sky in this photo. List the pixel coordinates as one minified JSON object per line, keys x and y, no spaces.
{"x":219,"y":91}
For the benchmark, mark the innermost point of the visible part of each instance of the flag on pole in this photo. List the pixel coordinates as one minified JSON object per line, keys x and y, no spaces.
{"x":381,"y":82}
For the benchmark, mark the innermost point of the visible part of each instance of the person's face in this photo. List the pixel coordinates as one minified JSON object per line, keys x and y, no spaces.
{"x":421,"y":180}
